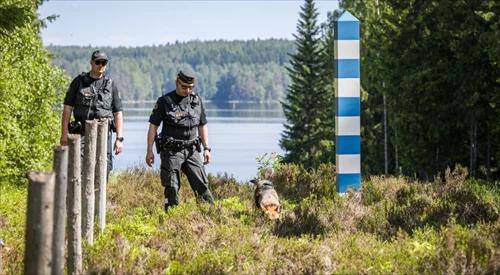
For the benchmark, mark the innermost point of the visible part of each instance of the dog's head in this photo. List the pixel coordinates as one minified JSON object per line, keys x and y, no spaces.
{"x":261,"y":183}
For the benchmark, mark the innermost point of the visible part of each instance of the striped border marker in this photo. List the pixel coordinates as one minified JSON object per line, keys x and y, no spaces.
{"x":348,"y":103}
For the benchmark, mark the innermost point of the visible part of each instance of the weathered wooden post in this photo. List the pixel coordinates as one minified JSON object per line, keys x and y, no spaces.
{"x":60,"y":168}
{"x":88,"y":177}
{"x":74,"y":206}
{"x":347,"y":97}
{"x":1,"y":260}
{"x":39,"y":223}
{"x":101,"y":172}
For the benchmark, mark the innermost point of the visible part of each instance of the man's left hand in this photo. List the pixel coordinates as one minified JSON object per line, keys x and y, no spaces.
{"x":206,"y":157}
{"x":118,"y":147}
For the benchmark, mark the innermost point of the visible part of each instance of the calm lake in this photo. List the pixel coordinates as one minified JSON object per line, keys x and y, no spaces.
{"x":238,"y":134}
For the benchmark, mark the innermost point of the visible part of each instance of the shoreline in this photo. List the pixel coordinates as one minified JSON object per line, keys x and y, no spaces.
{"x":210,"y":101}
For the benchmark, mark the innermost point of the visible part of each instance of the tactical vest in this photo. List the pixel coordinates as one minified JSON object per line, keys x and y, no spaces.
{"x":93,"y":102}
{"x":177,"y":117}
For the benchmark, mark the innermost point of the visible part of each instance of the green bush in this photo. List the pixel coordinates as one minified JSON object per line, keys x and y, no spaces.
{"x":311,"y":217}
{"x":225,"y":186}
{"x":467,"y":204}
{"x":318,"y":234}
{"x":295,"y":183}
{"x":408,"y":209}
{"x":371,"y":193}
{"x":30,"y":91}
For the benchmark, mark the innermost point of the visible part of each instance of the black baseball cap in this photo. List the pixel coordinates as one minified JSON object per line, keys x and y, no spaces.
{"x":98,"y":55}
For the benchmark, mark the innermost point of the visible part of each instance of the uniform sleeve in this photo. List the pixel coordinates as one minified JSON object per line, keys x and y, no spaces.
{"x":203,"y":117}
{"x":117,"y":100}
{"x":70,"y":97}
{"x":158,"y":113}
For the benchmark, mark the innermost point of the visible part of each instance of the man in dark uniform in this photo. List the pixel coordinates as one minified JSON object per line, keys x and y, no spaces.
{"x":93,"y":95}
{"x":184,"y":131}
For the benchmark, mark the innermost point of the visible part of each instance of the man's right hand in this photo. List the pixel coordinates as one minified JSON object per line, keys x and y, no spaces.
{"x":150,"y":158}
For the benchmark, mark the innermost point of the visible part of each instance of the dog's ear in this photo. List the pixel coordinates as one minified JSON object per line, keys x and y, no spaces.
{"x":256,"y":182}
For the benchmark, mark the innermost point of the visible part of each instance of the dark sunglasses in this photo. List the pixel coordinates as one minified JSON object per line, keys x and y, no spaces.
{"x":101,"y":62}
{"x":186,"y":86}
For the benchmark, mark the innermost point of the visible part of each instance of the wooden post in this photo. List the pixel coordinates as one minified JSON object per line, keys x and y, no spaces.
{"x":74,"y":206}
{"x":88,"y":176}
{"x":61,"y":173}
{"x":2,"y":244}
{"x":1,"y":260}
{"x":101,"y":172}
{"x":39,"y":223}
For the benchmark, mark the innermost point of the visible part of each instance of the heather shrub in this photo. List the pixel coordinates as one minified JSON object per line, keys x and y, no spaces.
{"x":225,"y":186}
{"x":374,"y":221}
{"x":13,"y":204}
{"x":295,"y":183}
{"x":465,"y":250}
{"x":391,"y":226}
{"x":137,"y":187}
{"x":311,"y":216}
{"x":371,"y":193}
{"x":468,"y":203}
{"x":408,"y":208}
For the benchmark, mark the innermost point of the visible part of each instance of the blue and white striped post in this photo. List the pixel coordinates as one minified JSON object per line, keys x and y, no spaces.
{"x":348,"y":103}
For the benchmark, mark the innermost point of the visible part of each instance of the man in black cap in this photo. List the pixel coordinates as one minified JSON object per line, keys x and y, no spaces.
{"x":93,"y":95}
{"x":183,"y":133}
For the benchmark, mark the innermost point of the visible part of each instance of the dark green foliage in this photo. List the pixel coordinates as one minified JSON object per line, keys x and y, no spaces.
{"x":297,"y":183}
{"x":384,"y":206}
{"x":408,"y":209}
{"x":468,"y":204}
{"x":225,"y":186}
{"x":309,"y":130}
{"x":436,"y":62}
{"x":30,"y":89}
{"x":14,"y":15}
{"x":226,"y":70}
{"x":454,"y":200}
{"x":312,"y":216}
{"x":371,"y":193}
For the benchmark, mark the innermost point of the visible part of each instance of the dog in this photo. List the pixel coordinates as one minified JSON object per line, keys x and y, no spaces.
{"x":266,"y":198}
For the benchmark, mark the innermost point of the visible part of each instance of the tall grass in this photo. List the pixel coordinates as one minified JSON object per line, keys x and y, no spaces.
{"x":393,"y":225}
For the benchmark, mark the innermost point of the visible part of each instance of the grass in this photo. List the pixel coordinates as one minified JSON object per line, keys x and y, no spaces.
{"x":394,"y":225}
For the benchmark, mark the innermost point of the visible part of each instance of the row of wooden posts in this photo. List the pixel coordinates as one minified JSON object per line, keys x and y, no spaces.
{"x":72,"y":188}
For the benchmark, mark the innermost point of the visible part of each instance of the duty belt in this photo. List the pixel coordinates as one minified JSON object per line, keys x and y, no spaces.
{"x":169,"y":143}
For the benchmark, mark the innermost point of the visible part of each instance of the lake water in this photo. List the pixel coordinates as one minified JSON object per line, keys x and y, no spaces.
{"x":238,"y":134}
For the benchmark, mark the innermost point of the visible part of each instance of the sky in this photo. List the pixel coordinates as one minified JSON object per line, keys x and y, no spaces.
{"x":144,"y":23}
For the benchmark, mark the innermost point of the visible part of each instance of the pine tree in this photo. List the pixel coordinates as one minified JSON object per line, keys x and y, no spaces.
{"x":308,"y":108}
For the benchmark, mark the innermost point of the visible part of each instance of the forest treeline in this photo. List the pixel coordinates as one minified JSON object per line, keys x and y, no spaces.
{"x":430,"y":87}
{"x":435,"y":66}
{"x":227,"y":70}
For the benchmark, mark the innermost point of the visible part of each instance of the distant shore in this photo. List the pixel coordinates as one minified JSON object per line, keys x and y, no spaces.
{"x":211,"y":101}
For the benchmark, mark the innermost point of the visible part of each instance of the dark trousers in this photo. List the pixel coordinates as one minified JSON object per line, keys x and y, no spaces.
{"x":190,"y":163}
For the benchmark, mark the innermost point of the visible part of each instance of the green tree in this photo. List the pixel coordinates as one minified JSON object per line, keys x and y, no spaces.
{"x":438,"y":60}
{"x":30,"y":89}
{"x":308,"y":135}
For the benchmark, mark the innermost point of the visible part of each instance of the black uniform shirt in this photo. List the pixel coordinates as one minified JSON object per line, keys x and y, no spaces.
{"x":159,"y":114}
{"x":70,"y":97}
